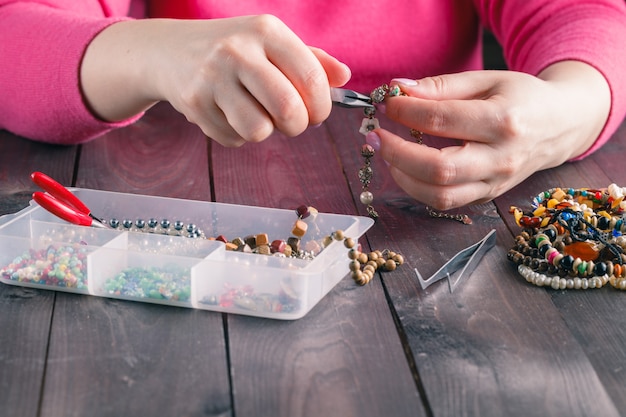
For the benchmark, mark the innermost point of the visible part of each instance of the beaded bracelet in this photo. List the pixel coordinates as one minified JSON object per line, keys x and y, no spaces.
{"x":573,"y":238}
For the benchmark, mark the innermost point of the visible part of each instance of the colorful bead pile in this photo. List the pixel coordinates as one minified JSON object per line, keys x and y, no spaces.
{"x":244,"y":297}
{"x":573,"y":238}
{"x":291,"y":247}
{"x":56,"y":265}
{"x":167,"y":283}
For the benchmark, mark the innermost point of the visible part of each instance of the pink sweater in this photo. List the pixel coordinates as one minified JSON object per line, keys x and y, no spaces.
{"x":42,"y":43}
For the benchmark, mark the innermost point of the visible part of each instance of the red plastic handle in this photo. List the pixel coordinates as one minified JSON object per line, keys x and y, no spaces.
{"x":61,"y":210}
{"x":59,"y":192}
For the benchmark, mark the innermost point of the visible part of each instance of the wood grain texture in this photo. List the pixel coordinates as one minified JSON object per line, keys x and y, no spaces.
{"x":344,"y":357}
{"x":493,"y":347}
{"x":113,"y":358}
{"x":596,"y":319}
{"x":25,"y":314}
{"x":496,"y":346}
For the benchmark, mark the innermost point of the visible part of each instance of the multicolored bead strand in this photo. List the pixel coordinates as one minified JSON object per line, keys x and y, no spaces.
{"x":573,"y":239}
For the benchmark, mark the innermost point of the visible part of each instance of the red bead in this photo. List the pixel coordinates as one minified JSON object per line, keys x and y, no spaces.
{"x":303,"y":212}
{"x":528,"y":221}
{"x":278,"y":246}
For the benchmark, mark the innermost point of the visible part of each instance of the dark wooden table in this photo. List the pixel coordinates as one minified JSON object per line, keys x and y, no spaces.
{"x":496,"y":346}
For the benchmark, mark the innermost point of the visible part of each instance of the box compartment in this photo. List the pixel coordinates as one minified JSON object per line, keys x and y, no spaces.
{"x":158,"y":266}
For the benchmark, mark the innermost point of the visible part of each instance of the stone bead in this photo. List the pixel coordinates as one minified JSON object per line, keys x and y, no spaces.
{"x":583,"y":250}
{"x":600,"y":268}
{"x":567,"y":262}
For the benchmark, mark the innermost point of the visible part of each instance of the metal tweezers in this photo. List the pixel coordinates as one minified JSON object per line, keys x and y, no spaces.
{"x":349,"y":98}
{"x":467,"y":259}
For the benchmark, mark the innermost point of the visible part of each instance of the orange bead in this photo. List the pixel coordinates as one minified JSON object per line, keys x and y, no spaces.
{"x":299,"y":228}
{"x":584,"y":250}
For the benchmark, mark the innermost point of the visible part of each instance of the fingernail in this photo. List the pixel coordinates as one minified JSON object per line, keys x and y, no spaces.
{"x":373,"y":140}
{"x":315,"y":126}
{"x":381,"y":107}
{"x":404,"y":81}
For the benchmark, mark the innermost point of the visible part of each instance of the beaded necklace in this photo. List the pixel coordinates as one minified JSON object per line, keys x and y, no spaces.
{"x":573,"y":238}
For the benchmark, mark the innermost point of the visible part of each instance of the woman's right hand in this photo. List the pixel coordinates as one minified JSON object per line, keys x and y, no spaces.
{"x":237,"y":79}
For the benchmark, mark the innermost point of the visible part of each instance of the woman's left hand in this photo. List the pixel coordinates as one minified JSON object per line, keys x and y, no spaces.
{"x":511,"y":125}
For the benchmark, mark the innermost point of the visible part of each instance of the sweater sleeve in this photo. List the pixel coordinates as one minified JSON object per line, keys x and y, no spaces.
{"x":535,"y":34}
{"x":41,"y":48}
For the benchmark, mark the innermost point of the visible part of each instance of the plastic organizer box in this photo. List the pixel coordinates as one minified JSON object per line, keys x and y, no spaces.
{"x":42,"y":251}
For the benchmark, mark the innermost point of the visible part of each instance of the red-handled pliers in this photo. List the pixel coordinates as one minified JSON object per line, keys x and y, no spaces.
{"x":62,"y":203}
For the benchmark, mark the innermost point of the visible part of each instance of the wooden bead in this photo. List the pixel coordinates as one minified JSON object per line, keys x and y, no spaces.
{"x":264,"y":249}
{"x":262,"y":239}
{"x":349,"y":243}
{"x":338,"y":235}
{"x":390,"y":265}
{"x":355,"y":265}
{"x":299,"y":228}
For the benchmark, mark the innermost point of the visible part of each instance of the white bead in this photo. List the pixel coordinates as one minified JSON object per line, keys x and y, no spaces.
{"x":562,"y":284}
{"x":605,"y":279}
{"x":585,"y":284}
{"x":570,"y":283}
{"x":577,"y":283}
{"x":367,"y":125}
{"x":366,"y":198}
{"x":555,"y":283}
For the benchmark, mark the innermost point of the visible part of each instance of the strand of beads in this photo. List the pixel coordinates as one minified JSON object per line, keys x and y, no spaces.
{"x":572,"y":238}
{"x":366,"y":173}
{"x":365,"y":176}
{"x":163,"y":227}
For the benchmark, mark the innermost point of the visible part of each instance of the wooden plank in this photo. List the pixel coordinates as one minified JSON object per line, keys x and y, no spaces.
{"x":111,"y":357}
{"x":344,"y":357}
{"x":25,"y":314}
{"x":597,"y":319}
{"x":495,"y":346}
